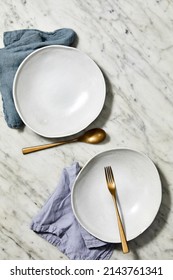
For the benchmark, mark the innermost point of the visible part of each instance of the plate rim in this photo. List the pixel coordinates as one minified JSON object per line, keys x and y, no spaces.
{"x":84,"y":126}
{"x":104,"y":152}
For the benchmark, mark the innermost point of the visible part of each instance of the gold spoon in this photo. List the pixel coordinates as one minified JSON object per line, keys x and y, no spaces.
{"x":92,"y":136}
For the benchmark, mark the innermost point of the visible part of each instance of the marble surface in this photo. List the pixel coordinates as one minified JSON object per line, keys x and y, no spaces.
{"x":132,"y":42}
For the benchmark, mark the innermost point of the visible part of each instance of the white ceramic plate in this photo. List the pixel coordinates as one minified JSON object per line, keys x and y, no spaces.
{"x":138,"y":188}
{"x":58,"y":91}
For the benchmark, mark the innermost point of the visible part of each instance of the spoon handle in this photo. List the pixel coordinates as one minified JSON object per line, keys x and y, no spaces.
{"x":28,"y":150}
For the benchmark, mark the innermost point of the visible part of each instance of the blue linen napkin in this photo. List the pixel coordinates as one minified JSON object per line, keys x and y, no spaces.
{"x":19,"y":44}
{"x":57,"y":224}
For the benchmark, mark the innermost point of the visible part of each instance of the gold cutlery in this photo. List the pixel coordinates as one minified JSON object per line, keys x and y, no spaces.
{"x":92,"y":136}
{"x":112,"y":188}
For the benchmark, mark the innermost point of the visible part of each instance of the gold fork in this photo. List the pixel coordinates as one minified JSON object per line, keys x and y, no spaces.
{"x":112,"y":188}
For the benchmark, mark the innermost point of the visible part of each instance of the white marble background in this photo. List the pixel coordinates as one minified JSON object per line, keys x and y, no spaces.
{"x":132,"y":42}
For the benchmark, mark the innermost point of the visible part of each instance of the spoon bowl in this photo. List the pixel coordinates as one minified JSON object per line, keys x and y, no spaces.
{"x":92,"y":136}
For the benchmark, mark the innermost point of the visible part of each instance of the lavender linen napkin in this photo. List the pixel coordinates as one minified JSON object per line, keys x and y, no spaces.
{"x":57,"y":224}
{"x":19,"y":44}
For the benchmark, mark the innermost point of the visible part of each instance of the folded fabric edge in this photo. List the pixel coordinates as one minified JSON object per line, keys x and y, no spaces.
{"x":10,"y":37}
{"x":105,"y":254}
{"x":98,"y":248}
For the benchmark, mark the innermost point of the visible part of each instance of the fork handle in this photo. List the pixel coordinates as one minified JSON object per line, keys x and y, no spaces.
{"x":121,"y":229}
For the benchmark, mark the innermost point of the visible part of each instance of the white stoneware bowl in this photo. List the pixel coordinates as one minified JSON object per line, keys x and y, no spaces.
{"x":58,"y":91}
{"x":138,"y":190}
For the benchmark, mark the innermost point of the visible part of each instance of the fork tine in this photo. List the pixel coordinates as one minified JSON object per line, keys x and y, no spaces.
{"x":111,"y":175}
{"x":109,"y":172}
{"x":106,"y":175}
